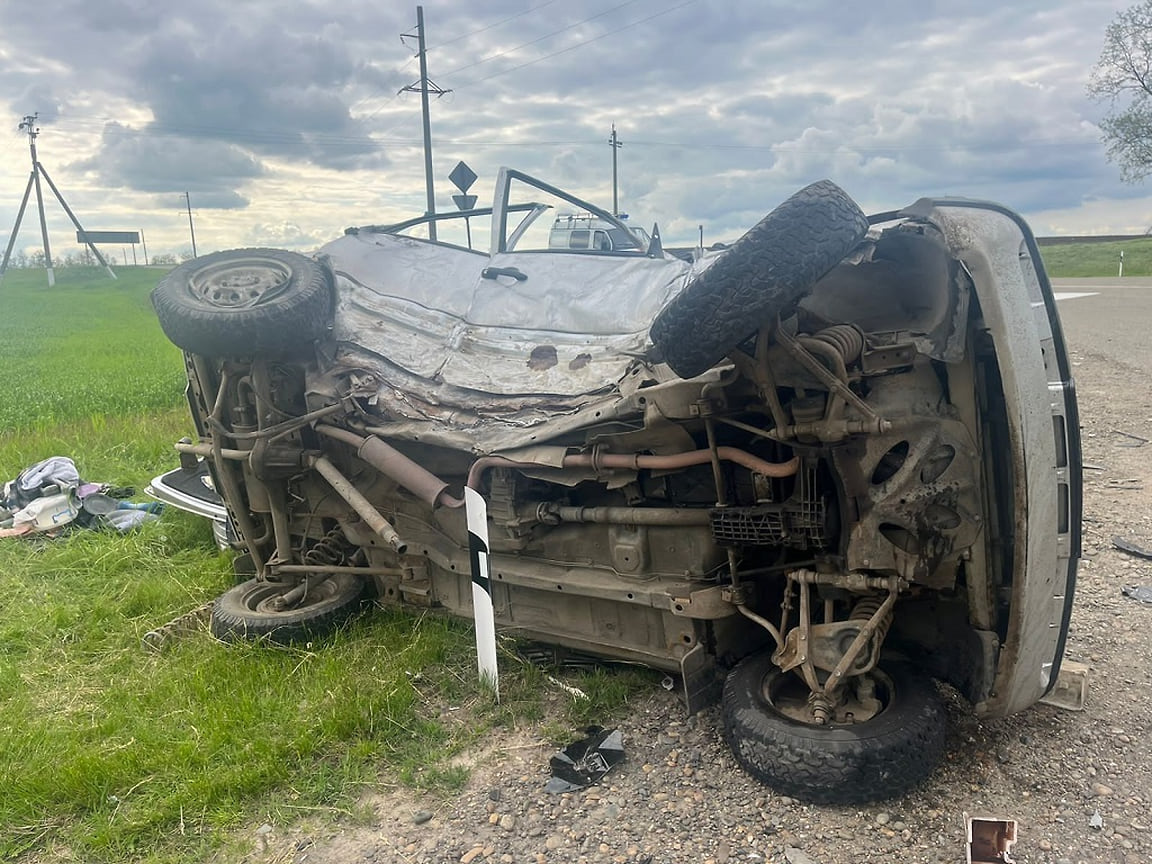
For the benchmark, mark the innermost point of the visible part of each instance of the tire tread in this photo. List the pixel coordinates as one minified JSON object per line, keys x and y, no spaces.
{"x":766,"y":271}
{"x":883,"y":761}
{"x":300,"y":315}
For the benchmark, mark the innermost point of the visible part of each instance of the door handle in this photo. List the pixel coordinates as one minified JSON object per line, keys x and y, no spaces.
{"x":495,"y":272}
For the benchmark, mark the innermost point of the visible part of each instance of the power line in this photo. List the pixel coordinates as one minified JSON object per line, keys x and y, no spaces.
{"x":515,"y":48}
{"x":535,"y":41}
{"x":376,"y":93}
{"x":30,"y":126}
{"x":542,"y":38}
{"x":452,"y":41}
{"x":577,"y":45}
{"x":491,"y":26}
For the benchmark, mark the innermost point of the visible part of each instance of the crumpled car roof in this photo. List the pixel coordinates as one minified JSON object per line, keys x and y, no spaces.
{"x":572,"y":327}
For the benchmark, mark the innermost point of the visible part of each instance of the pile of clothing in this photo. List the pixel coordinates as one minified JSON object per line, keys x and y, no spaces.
{"x":49,"y":498}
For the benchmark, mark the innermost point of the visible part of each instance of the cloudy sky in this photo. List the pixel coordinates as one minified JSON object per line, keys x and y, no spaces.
{"x":283,"y":123}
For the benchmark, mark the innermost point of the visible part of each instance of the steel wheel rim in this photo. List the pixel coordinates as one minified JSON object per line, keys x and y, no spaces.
{"x":239,"y":284}
{"x":260,"y":598}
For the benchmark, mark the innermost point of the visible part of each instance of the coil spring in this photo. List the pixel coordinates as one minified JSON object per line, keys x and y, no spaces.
{"x":845,"y":338}
{"x":865,"y":608}
{"x":330,"y":550}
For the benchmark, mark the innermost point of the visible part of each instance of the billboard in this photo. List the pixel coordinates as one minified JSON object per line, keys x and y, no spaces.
{"x":107,"y":236}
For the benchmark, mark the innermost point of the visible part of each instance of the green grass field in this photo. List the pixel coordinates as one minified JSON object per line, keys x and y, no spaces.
{"x":82,"y":350}
{"x":112,"y":753}
{"x":1098,"y":259}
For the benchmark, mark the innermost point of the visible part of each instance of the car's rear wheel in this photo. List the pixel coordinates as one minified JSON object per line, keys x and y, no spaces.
{"x":245,"y":302}
{"x":250,"y":610}
{"x":764,"y":273}
{"x":838,"y":763}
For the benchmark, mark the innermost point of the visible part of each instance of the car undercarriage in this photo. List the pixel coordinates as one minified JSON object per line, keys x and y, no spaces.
{"x":806,"y":474}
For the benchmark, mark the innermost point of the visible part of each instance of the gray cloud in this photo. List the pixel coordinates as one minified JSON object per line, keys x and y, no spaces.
{"x":275,"y":78}
{"x":760,"y":99}
{"x":275,"y":92}
{"x":39,"y":98}
{"x":172,"y":164}
{"x":725,"y":106}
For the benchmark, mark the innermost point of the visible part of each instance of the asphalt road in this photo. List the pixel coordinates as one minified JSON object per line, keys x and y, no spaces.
{"x":1115,"y":322}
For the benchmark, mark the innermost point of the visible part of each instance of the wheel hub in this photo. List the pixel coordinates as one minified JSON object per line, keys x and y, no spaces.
{"x":863,"y":698}
{"x":270,"y":599}
{"x":240,"y":284}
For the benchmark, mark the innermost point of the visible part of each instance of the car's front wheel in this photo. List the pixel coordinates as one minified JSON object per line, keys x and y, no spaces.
{"x":767,"y":726}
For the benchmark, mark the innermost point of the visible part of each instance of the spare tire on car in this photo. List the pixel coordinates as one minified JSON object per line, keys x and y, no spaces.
{"x":245,"y":302}
{"x":764,"y":273}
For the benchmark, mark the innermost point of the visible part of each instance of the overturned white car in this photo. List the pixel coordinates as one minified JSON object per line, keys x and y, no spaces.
{"x":807,"y":474}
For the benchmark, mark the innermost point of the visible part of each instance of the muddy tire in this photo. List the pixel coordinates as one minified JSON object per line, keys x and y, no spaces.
{"x":245,"y":302}
{"x":879,"y":758}
{"x":243,"y":612}
{"x":764,"y":273}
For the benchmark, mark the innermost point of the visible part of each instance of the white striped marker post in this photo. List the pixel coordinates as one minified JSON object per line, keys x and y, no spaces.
{"x":482,"y":614}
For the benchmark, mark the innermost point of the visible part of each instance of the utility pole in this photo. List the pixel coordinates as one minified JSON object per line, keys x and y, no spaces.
{"x":28,"y":124}
{"x":191,"y":229}
{"x":424,"y":87}
{"x":616,"y":145}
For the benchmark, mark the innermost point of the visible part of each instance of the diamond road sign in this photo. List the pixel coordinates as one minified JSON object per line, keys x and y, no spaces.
{"x":463,"y":177}
{"x":465,"y":202}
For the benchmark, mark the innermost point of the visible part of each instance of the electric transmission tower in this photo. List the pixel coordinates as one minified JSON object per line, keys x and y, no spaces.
{"x":424,"y":87}
{"x":28,"y":124}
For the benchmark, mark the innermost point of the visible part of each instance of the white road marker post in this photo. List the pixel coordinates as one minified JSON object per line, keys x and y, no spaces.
{"x":482,"y":614}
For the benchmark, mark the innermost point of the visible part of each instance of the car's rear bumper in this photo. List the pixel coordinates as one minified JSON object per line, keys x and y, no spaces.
{"x":187,"y":490}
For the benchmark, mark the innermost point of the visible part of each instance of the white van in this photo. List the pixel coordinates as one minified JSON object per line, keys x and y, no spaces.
{"x":587,"y":231}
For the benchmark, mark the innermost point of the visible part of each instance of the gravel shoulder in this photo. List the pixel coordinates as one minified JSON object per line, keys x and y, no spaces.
{"x":680,"y":797}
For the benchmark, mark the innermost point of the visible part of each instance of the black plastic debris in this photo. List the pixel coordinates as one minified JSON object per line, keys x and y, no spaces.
{"x":1131,"y":548}
{"x":1143,"y":593}
{"x":584,"y":762}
